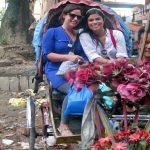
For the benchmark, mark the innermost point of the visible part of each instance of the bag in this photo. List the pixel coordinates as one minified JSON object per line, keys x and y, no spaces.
{"x":107,"y":101}
{"x":77,"y":100}
{"x":112,"y":38}
{"x":67,"y":66}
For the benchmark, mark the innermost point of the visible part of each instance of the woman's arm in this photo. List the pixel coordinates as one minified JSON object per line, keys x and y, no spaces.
{"x":102,"y":60}
{"x":48,"y":47}
{"x":89,"y":48}
{"x":120,"y":44}
{"x":63,"y":57}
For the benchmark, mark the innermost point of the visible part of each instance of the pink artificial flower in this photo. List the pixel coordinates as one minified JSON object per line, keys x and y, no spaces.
{"x":132,"y":74}
{"x":115,"y":68}
{"x":83,"y":75}
{"x":132,"y":91}
{"x":86,"y":75}
{"x":146,"y":66}
{"x":134,"y":137}
{"x":118,"y":80}
{"x":107,"y":70}
{"x":121,"y":64}
{"x":104,"y":142}
{"x":119,"y":146}
{"x":70,"y":76}
{"x":96,"y":146}
{"x":144,"y":79}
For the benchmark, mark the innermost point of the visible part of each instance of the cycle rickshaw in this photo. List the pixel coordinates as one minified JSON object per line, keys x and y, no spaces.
{"x":54,"y":96}
{"x":52,"y":21}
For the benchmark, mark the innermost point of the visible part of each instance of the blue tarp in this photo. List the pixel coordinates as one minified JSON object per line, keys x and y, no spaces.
{"x":37,"y":38}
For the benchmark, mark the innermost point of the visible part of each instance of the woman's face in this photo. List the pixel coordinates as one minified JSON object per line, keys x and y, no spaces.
{"x":95,"y":22}
{"x":146,"y":52}
{"x":72,"y":18}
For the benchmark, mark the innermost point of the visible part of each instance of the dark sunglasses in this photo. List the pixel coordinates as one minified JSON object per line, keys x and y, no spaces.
{"x":74,"y":15}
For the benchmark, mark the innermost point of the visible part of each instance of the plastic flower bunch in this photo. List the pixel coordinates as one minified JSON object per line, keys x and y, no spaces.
{"x":131,"y":81}
{"x":86,"y":74}
{"x":125,"y":140}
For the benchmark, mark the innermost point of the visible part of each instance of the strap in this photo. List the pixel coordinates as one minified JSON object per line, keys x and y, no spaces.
{"x":74,"y":44}
{"x":112,"y":38}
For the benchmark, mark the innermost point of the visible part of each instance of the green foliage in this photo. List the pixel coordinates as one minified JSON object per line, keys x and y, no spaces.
{"x":2,"y":11}
{"x":13,"y":15}
{"x":3,"y":41}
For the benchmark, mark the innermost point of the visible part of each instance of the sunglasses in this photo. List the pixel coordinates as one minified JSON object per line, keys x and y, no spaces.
{"x":74,"y":15}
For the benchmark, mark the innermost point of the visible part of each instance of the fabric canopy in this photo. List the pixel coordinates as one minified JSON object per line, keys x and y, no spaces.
{"x":55,"y":11}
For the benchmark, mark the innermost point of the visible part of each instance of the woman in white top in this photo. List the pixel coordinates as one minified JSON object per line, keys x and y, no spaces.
{"x":98,"y":43}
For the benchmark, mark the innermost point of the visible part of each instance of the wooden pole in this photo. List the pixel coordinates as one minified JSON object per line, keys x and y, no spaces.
{"x":144,"y":38}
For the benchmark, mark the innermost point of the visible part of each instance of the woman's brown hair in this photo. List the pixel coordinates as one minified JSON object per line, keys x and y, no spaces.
{"x":68,"y":8}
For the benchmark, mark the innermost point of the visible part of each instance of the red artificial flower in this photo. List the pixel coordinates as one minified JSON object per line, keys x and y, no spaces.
{"x":96,"y":146}
{"x":132,"y":91}
{"x":107,"y":70}
{"x":119,"y":146}
{"x":142,"y":133}
{"x":122,"y":135}
{"x":104,"y":142}
{"x":134,"y":137}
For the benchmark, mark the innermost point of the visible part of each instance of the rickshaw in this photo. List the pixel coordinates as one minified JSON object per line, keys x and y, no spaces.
{"x":55,"y":97}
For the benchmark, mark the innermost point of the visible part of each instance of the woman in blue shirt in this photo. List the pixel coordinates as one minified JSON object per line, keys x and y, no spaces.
{"x":57,"y":43}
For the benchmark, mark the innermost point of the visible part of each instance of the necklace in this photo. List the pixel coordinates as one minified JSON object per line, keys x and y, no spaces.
{"x":70,"y":37}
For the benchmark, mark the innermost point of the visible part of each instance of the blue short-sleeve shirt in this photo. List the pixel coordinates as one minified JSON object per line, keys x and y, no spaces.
{"x":56,"y":40}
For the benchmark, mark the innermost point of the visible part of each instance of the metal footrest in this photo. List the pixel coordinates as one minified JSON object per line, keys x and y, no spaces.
{"x":130,"y":117}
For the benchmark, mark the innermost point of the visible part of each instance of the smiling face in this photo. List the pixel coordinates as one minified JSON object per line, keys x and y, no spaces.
{"x":146,"y":53}
{"x":73,"y":18}
{"x":95,"y":22}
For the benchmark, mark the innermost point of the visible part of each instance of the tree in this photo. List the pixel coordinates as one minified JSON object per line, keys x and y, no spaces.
{"x":16,"y":21}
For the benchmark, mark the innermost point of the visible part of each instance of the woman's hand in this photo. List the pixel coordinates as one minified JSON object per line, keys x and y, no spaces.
{"x":75,"y":58}
{"x":101,"y":60}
